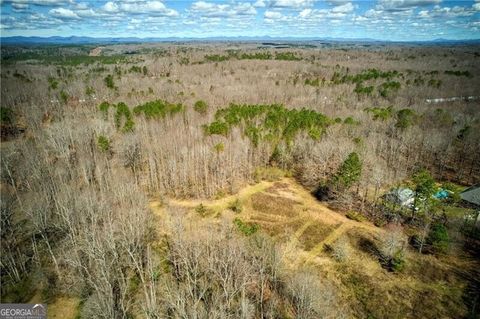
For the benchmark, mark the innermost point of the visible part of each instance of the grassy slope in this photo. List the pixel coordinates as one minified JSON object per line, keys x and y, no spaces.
{"x":303,"y":227}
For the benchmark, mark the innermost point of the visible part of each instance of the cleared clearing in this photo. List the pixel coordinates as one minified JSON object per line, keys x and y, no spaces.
{"x":284,"y":210}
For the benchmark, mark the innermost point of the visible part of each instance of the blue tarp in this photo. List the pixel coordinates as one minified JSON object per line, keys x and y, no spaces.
{"x":441,"y":194}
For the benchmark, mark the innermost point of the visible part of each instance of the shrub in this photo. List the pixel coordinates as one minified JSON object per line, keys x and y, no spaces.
{"x":103,"y":143}
{"x":216,"y":58}
{"x":443,"y":118}
{"x":7,"y":117}
{"x":118,"y":71}
{"x":363,"y":90}
{"x":219,"y":147}
{"x":216,"y":128}
{"x":341,"y":250}
{"x":124,"y":112}
{"x":63,"y":96}
{"x":286,"y":56}
{"x":459,"y":73}
{"x":397,"y":263}
{"x":387,"y":87}
{"x":246,"y":228}
{"x":405,"y":118}
{"x":350,"y":121}
{"x":145,"y":70}
{"x":201,"y":107}
{"x":158,"y":108}
{"x":358,"y":141}
{"x":435,"y":83}
{"x":356,"y":216}
{"x":438,"y":238}
{"x":135,"y":69}
{"x":418,"y":81}
{"x":89,"y":91}
{"x":256,"y":56}
{"x":109,"y":81}
{"x":464,"y":132}
{"x":201,"y":210}
{"x":53,"y":83}
{"x":22,"y":76}
{"x":103,"y":107}
{"x":315,"y":82}
{"x":129,"y":125}
{"x":236,"y":206}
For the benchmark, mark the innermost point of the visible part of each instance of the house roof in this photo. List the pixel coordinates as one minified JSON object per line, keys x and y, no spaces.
{"x":400,"y":196}
{"x":472,"y":194}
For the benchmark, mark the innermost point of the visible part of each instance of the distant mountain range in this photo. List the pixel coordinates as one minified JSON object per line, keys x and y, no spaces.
{"x":109,"y":40}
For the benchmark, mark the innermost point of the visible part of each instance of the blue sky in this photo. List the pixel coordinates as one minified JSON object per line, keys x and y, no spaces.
{"x":381,"y":19}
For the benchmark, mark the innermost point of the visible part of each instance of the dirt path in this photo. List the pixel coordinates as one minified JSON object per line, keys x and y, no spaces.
{"x":224,"y":201}
{"x":331,"y":238}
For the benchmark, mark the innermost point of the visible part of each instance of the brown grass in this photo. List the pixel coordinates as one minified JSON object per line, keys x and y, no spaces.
{"x":274,"y":205}
{"x":314,"y":234}
{"x":63,"y":308}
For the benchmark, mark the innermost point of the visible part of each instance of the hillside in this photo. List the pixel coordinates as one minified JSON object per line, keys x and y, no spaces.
{"x":240,"y":180}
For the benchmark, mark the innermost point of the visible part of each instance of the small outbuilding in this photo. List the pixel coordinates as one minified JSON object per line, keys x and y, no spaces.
{"x":401,"y":196}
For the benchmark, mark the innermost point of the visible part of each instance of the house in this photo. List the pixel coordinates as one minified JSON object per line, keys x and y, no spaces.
{"x":472,"y":196}
{"x":401,"y":196}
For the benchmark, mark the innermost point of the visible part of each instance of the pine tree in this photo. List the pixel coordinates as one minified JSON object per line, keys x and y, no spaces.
{"x":349,"y":172}
{"x":424,"y":190}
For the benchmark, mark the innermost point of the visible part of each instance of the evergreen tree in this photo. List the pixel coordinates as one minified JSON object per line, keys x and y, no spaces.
{"x":349,"y":172}
{"x":424,"y":190}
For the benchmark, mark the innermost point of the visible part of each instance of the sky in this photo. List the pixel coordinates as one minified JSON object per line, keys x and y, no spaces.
{"x":396,"y":20}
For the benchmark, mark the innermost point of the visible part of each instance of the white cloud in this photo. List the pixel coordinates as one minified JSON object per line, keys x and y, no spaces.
{"x":214,"y":10}
{"x":19,"y":6}
{"x":476,"y":6}
{"x":424,"y":14}
{"x":110,"y":7}
{"x":86,"y":13}
{"x":447,"y":12}
{"x":373,"y":13}
{"x":345,"y":8}
{"x":360,"y":19}
{"x":273,"y":15}
{"x":260,"y":4}
{"x":39,"y":2}
{"x":398,"y":5}
{"x":63,"y":13}
{"x":150,"y":7}
{"x":244,"y":8}
{"x":336,"y":13}
{"x":81,"y":6}
{"x":290,"y":3}
{"x":155,"y":8}
{"x":305,"y":13}
{"x":337,"y":2}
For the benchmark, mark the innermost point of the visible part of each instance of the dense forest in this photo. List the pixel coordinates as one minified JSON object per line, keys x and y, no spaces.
{"x":230,"y":180}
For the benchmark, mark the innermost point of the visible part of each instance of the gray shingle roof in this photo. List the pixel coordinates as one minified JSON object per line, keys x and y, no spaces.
{"x":472,"y":195}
